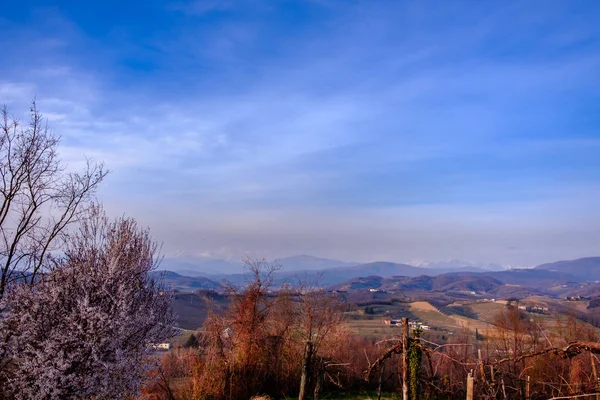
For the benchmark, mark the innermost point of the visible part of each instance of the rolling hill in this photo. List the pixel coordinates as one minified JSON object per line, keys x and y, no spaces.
{"x":556,"y":278}
{"x":173,"y":280}
{"x":440,"y":283}
{"x":584,"y":268}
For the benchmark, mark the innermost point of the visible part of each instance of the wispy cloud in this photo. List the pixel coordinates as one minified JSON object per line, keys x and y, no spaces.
{"x":319,"y":114}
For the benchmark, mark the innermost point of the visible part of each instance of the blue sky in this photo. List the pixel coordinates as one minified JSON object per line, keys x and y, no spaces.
{"x":360,"y":130}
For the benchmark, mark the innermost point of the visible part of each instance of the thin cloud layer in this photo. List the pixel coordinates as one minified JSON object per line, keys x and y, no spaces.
{"x":355,"y":130}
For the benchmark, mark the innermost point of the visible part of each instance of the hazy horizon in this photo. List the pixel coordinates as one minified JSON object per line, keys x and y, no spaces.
{"x":448,"y":263}
{"x":357,"y":131}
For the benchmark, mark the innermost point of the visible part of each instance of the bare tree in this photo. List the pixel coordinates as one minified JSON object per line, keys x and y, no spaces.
{"x":85,"y":329}
{"x":39,"y":198}
{"x":319,"y":314}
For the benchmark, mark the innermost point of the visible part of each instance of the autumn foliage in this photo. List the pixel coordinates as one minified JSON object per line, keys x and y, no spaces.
{"x":259,"y":347}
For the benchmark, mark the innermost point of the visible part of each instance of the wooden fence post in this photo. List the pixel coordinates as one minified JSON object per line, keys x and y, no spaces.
{"x":469,"y":387}
{"x":527,"y":388}
{"x":594,"y":374}
{"x":405,"y":358}
{"x":481,"y":368}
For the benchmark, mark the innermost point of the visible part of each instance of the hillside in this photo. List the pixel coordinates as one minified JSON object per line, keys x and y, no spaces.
{"x":369,"y":282}
{"x":441,"y":283}
{"x":191,"y":309}
{"x":551,"y":282}
{"x":173,"y":280}
{"x":196,"y":266}
{"x":584,"y":268}
{"x":339,"y":275}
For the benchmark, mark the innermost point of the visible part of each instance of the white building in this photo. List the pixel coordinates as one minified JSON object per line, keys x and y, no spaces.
{"x":161,"y":346}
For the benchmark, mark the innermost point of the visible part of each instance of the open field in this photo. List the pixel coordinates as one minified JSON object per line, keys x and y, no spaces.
{"x":480,"y":316}
{"x":431,"y":316}
{"x":575,"y":305}
{"x":372,"y":329}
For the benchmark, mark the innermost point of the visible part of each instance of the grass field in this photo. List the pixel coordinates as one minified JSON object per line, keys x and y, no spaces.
{"x":372,"y":329}
{"x":485,"y":312}
{"x":430,"y":315}
{"x":372,"y":326}
{"x":575,"y":305}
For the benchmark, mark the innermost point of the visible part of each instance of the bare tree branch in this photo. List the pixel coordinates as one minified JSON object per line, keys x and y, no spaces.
{"x":39,"y":199}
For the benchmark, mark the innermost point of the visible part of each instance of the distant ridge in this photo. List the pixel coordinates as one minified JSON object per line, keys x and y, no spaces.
{"x":586,"y":268}
{"x":443,"y":283}
{"x":328,"y":272}
{"x":457,"y":265}
{"x":310,"y":263}
{"x":195,"y":266}
{"x":173,"y":280}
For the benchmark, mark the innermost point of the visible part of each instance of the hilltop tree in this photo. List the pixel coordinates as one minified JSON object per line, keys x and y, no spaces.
{"x":192,"y":342}
{"x":86,"y":328}
{"x":39,"y":199}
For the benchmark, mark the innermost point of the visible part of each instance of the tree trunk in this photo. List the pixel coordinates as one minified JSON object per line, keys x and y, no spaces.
{"x":379,"y":381}
{"x":305,"y":370}
{"x":320,"y":378}
{"x":594,"y":374}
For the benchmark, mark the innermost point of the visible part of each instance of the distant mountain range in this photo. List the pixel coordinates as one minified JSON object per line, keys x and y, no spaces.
{"x":585,"y":268}
{"x":311,"y":263}
{"x":192,"y":266}
{"x":195,"y":266}
{"x":439,"y":283}
{"x":383,"y":269}
{"x":457,"y":265}
{"x":555,"y":278}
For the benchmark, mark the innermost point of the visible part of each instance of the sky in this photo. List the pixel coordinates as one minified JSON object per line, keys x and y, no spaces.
{"x":357,"y":130}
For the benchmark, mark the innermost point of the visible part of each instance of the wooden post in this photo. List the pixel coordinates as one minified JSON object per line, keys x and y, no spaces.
{"x":492,"y":373}
{"x":469,"y":387}
{"x":527,"y":392}
{"x":305,"y":371}
{"x":404,"y":358}
{"x":481,"y":368}
{"x":594,"y":374}
{"x":380,"y":381}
